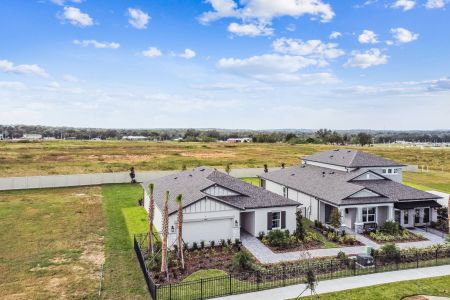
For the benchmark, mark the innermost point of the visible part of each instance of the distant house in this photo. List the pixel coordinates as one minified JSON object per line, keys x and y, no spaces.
{"x":134,"y":138}
{"x":365,"y":188}
{"x":239,"y":140}
{"x":217,"y":206}
{"x":32,"y":136}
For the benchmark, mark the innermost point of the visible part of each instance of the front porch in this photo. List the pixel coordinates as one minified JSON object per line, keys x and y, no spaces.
{"x":416,"y":213}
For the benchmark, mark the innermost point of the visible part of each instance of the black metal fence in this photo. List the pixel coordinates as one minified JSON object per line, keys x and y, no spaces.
{"x":279,"y":276}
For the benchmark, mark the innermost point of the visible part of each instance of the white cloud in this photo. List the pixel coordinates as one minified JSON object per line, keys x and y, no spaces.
{"x":70,"y":78}
{"x":9,"y":67}
{"x":335,"y":35}
{"x":298,"y":79}
{"x":97,"y":44}
{"x":15,"y":85}
{"x":188,"y":54}
{"x":265,"y":64}
{"x":368,"y":37}
{"x":432,"y":4}
{"x":402,"y":35}
{"x":313,"y":48}
{"x":404,"y":4}
{"x":152,"y":52}
{"x":291,"y":27}
{"x":366,"y":59}
{"x":138,"y":19}
{"x":62,"y":2}
{"x":266,"y":10}
{"x":76,"y":17}
{"x":250,"y":29}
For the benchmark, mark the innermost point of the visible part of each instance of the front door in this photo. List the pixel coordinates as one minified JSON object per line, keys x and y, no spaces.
{"x":421,"y":216}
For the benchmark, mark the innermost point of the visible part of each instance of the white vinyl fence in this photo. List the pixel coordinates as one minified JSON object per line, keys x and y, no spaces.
{"x":55,"y":181}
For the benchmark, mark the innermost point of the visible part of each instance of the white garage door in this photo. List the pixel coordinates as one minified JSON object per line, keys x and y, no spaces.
{"x":207,"y":230}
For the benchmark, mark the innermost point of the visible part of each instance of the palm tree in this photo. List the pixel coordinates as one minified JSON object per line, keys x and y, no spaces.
{"x":180,"y":230}
{"x":151,"y":216}
{"x":165,"y":232}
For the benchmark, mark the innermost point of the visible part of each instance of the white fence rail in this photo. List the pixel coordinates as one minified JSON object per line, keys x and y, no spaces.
{"x":55,"y":181}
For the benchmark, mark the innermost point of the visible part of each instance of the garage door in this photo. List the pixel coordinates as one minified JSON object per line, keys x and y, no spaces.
{"x":207,"y":230}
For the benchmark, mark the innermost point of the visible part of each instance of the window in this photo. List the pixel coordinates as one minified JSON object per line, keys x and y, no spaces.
{"x":276,"y":220}
{"x":369,"y":214}
{"x":405,"y":217}
{"x":390,"y":171}
{"x":426,"y":215}
{"x":285,"y":192}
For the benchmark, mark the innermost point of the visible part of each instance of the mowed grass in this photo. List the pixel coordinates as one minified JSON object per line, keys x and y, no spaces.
{"x":123,"y":278}
{"x":427,"y":181}
{"x":70,"y":157}
{"x":51,"y":243}
{"x":437,"y":286}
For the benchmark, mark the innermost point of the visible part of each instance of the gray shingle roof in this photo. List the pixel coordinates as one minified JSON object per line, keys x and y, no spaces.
{"x":336,"y":186}
{"x":191,"y":184}
{"x":350,"y":158}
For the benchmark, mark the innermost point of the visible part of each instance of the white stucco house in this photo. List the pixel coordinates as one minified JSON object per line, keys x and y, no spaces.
{"x":365,"y":188}
{"x":217,"y":206}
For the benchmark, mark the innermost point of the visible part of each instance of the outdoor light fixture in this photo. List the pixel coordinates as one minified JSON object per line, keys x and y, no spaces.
{"x":172,"y":229}
{"x":236,"y":223}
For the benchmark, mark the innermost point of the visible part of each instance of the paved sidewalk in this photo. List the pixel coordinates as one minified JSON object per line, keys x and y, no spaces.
{"x":347,"y":283}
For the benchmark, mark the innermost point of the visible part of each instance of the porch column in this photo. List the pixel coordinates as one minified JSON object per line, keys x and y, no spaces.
{"x":342,"y":212}
{"x":359,"y":225}
{"x":390,"y":216}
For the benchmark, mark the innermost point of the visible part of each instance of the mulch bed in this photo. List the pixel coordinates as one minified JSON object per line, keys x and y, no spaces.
{"x":202,"y":259}
{"x":415,"y":238}
{"x":300,"y":247}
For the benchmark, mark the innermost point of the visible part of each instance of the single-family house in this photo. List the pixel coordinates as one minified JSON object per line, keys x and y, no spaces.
{"x":217,"y":206}
{"x":365,"y":188}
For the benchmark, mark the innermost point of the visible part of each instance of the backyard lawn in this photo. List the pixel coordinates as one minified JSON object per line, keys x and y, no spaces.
{"x":54,"y":242}
{"x":438,"y":286}
{"x":51,"y":243}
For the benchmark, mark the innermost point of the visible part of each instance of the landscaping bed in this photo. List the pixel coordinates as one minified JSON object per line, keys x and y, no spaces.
{"x":391,"y":232}
{"x":336,"y":236}
{"x":203,"y":258}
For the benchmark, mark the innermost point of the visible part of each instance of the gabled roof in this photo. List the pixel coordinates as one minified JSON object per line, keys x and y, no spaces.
{"x":337,"y":187}
{"x":192,"y":184}
{"x":350,"y":158}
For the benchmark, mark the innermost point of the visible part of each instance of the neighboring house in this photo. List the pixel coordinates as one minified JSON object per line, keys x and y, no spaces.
{"x":134,"y":138}
{"x":365,"y":188}
{"x":217,"y":206}
{"x":32,"y":136}
{"x":239,"y":140}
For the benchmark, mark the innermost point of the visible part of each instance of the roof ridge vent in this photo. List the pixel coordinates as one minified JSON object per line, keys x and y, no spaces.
{"x":202,"y":169}
{"x":336,"y":150}
{"x":175,"y":178}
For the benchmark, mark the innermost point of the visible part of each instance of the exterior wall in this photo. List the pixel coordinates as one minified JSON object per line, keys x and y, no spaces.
{"x":205,"y":205}
{"x":248,"y":222}
{"x":353,"y":219}
{"x":309,"y":204}
{"x":382,"y":215}
{"x":219,"y":191}
{"x":349,"y":217}
{"x":261,"y":218}
{"x":368,"y":176}
{"x":394,"y":177}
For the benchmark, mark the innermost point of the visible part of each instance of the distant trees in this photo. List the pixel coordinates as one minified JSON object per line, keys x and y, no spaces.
{"x":364,"y":138}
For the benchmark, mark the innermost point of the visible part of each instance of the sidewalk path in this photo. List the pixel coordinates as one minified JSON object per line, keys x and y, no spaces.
{"x":347,"y":283}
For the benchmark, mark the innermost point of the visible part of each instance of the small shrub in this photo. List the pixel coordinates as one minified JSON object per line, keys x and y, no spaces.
{"x":237,"y":242}
{"x":335,"y":218}
{"x":391,"y":227}
{"x":202,"y":244}
{"x":212,"y":243}
{"x":277,"y":238}
{"x":261,"y":235}
{"x":228,"y":241}
{"x":390,"y":250}
{"x":194,"y":246}
{"x":448,"y":238}
{"x":222,"y":243}
{"x":243,"y":261}
{"x":341,"y":255}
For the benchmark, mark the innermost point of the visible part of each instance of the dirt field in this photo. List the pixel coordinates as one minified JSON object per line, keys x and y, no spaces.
{"x":70,"y":157}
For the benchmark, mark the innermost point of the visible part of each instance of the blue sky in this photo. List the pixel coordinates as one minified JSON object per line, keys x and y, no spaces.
{"x":256,"y":64}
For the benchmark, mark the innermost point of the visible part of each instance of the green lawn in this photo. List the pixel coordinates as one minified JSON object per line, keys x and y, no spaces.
{"x":438,"y":286}
{"x":123,"y":278}
{"x":51,"y":243}
{"x":433,"y":180}
{"x":251,"y":180}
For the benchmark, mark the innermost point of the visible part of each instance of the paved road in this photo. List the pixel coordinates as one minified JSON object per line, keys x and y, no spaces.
{"x":347,"y":283}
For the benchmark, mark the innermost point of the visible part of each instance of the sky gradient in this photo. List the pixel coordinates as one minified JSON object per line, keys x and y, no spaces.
{"x":256,"y":64}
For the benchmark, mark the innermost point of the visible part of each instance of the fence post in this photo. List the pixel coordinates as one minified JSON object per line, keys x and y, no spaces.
{"x":284,"y":275}
{"x":375,"y":263}
{"x":436,"y":256}
{"x":230,"y":284}
{"x":201,"y":288}
{"x":354,"y":267}
{"x":417,"y":258}
{"x":331,"y":269}
{"x":258,"y":278}
{"x":170,"y":291}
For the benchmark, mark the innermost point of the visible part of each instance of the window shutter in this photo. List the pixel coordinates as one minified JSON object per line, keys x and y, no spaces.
{"x":283,"y":220}
{"x":269,"y":221}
